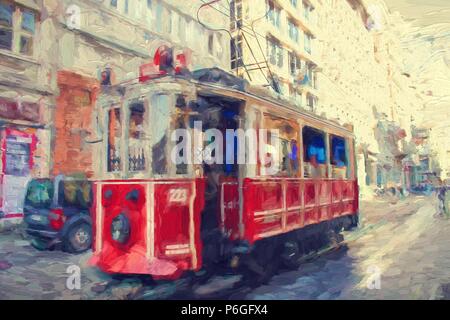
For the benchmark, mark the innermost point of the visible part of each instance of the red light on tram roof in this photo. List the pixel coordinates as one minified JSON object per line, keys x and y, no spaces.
{"x":165,"y":61}
{"x":182,"y":61}
{"x":164,"y":58}
{"x":149,"y":71}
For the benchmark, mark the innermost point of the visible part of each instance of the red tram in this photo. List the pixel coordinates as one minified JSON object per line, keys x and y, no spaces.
{"x":152,"y":216}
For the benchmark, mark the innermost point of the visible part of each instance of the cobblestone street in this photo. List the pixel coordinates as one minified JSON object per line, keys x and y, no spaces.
{"x":407,"y":246}
{"x":404,"y":243}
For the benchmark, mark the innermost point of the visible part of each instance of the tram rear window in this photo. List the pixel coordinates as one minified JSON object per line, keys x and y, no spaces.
{"x":338,"y":151}
{"x":314,"y":145}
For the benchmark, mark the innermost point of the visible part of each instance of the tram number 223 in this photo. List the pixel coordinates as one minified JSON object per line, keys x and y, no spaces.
{"x":178,"y":196}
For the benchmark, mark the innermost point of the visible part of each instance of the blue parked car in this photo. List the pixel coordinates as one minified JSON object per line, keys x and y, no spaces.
{"x":57,"y":214}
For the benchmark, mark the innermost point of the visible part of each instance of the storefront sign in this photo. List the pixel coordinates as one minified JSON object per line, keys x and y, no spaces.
{"x":19,"y":111}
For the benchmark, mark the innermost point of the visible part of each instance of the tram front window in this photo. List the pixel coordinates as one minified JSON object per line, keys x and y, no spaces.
{"x":160,"y":133}
{"x":137,"y":160}
{"x":114,"y":140}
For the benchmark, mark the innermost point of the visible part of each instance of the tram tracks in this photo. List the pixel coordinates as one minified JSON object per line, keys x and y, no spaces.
{"x":225,"y":284}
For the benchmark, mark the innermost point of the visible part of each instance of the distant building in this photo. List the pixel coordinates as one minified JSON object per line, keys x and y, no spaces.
{"x":363,"y":82}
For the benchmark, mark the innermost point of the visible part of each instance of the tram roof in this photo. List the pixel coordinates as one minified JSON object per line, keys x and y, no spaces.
{"x":228,"y":85}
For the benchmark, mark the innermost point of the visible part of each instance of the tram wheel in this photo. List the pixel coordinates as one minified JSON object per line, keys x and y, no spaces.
{"x":261,"y":264}
{"x":352,"y":223}
{"x":291,"y":254}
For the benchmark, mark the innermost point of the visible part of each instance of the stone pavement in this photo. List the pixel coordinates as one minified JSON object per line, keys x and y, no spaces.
{"x":405,"y":255}
{"x":403,"y":242}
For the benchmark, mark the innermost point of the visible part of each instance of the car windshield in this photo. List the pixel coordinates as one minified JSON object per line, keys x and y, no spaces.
{"x":39,"y":193}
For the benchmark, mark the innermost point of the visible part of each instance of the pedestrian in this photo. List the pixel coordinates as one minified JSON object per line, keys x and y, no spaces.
{"x":447,"y":200}
{"x":441,"y":195}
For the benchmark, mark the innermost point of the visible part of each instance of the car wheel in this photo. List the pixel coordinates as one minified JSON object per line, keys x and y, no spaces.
{"x":78,"y":238}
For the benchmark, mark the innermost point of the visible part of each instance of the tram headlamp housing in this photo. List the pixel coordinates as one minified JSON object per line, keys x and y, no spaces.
{"x":120,"y":229}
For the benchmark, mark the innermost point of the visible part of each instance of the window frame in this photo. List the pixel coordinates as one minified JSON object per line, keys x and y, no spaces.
{"x":339,"y":172}
{"x":148,"y":98}
{"x":236,"y":20}
{"x":320,"y":171}
{"x":274,"y":14}
{"x":275,"y":52}
{"x":293,"y":30}
{"x":273,"y":122}
{"x":236,"y":57}
{"x":18,"y":31}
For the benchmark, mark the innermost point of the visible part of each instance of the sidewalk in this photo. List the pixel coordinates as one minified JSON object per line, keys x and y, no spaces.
{"x":386,"y":209}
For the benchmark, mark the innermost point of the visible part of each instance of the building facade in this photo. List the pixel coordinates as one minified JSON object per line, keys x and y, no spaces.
{"x":55,"y":56}
{"x":367,"y":84}
{"x":342,"y":60}
{"x":26,"y":103}
{"x":274,"y":45}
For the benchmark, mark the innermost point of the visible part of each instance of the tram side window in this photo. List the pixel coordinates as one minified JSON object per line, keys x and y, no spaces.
{"x":314,"y":153}
{"x":160,"y":130}
{"x":339,"y":159}
{"x":288,"y":157}
{"x":288,"y":160}
{"x":114,"y":140}
{"x":137,"y":161}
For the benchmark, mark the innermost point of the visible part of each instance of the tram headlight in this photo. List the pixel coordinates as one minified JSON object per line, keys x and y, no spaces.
{"x":120,"y":229}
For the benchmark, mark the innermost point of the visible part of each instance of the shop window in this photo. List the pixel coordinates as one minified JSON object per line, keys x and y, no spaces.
{"x":314,"y":153}
{"x":17,"y":158}
{"x":17,"y":28}
{"x":137,"y":138}
{"x":339,"y":160}
{"x":114,"y":140}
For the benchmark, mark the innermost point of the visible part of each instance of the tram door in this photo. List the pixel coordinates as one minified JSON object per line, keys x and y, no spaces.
{"x":220,"y":115}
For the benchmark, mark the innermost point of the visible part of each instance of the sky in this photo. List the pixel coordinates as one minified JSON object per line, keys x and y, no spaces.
{"x":422,"y":12}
